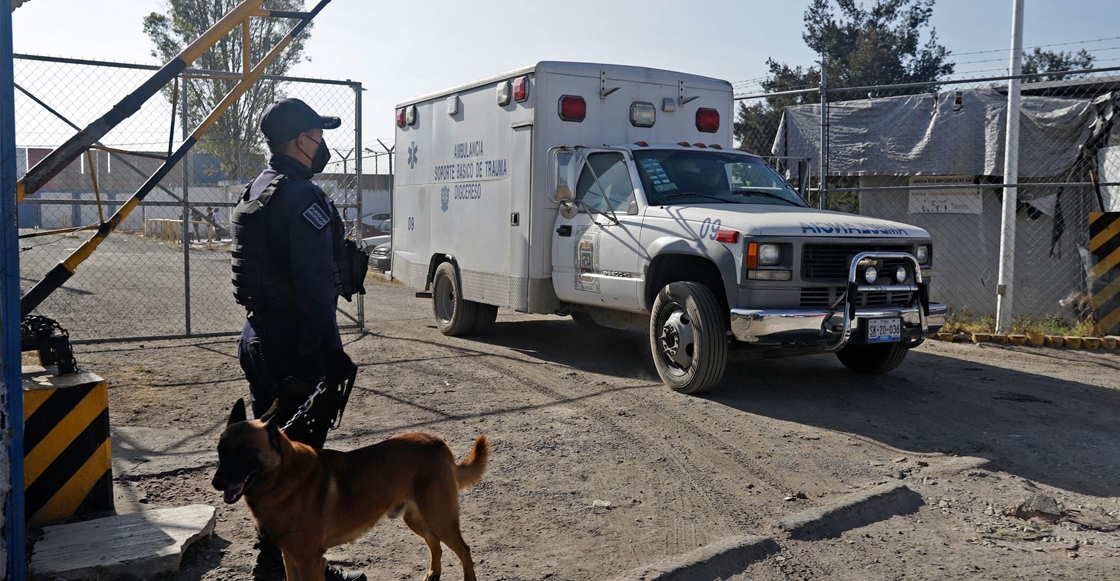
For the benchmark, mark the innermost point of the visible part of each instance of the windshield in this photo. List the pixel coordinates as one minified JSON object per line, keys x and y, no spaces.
{"x":673,"y":176}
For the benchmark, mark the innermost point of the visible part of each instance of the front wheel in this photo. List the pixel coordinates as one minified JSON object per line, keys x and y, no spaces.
{"x":688,"y":338}
{"x":872,"y":359}
{"x":454,"y":315}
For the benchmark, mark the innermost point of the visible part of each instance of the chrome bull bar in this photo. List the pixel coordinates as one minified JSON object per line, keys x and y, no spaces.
{"x":831,"y":328}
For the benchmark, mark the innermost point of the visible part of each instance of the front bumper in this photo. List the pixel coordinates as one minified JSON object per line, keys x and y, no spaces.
{"x":813,"y":326}
{"x":832,"y":329}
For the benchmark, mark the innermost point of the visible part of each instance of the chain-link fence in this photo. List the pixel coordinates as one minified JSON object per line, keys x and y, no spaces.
{"x":165,"y":272}
{"x":933,"y":155}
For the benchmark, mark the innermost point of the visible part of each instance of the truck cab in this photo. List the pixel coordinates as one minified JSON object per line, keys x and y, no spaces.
{"x":713,"y":245}
{"x":611,"y":194}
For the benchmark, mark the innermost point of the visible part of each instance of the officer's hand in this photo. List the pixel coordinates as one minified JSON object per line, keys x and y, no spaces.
{"x":339,"y":367}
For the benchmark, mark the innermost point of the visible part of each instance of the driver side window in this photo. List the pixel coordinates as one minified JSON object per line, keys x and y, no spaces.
{"x":614,"y":190}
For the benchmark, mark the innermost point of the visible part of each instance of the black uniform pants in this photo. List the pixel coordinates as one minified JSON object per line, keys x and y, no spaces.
{"x":269,"y":354}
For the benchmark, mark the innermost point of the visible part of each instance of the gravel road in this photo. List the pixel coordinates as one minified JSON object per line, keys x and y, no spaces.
{"x":598,"y":469}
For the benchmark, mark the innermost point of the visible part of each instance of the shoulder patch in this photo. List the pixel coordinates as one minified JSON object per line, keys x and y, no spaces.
{"x":317,"y":216}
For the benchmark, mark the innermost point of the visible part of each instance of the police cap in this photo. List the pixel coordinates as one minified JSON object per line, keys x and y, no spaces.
{"x":284,"y":120}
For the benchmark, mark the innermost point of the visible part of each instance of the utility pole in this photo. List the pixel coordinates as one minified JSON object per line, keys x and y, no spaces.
{"x":1006,"y":283}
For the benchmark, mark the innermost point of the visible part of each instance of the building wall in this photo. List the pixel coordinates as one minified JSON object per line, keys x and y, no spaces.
{"x":967,"y":249}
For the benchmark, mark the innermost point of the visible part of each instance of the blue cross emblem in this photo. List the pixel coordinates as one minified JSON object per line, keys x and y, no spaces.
{"x":412,"y":158}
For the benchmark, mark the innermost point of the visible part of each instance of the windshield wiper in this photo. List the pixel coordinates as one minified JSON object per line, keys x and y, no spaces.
{"x":764,"y":193}
{"x":660,"y":201}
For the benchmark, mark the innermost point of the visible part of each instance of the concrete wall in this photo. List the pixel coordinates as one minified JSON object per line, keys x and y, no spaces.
{"x":967,"y":248}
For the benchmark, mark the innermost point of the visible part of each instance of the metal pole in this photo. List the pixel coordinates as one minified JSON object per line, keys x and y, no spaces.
{"x":1006,"y":282}
{"x":392,"y":183}
{"x":10,"y":366}
{"x":358,"y":186}
{"x":821,"y":181}
{"x":186,"y":218}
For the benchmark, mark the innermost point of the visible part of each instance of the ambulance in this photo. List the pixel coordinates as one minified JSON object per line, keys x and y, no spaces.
{"x":612,"y":194}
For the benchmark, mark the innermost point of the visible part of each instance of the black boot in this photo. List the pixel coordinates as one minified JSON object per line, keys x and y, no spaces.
{"x":270,"y":562}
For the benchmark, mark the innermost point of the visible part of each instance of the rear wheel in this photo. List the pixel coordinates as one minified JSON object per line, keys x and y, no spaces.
{"x":872,"y":359}
{"x":454,"y":315}
{"x":687,"y":337}
{"x":484,"y":317}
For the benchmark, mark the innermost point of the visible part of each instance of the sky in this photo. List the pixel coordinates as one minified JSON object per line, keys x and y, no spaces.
{"x":404,"y":49}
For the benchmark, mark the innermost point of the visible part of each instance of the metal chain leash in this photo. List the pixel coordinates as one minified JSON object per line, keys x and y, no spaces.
{"x":303,"y":408}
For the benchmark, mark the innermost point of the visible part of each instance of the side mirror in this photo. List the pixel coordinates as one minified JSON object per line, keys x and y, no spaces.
{"x":563,"y":167}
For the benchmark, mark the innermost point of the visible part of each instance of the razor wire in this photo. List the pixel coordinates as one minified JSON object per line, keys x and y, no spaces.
{"x":165,"y":272}
{"x":932,"y":154}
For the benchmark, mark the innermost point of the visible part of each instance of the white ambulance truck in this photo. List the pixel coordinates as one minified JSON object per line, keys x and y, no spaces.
{"x":611,"y":194}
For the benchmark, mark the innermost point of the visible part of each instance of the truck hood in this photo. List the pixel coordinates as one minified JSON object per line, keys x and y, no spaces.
{"x":786,"y":221}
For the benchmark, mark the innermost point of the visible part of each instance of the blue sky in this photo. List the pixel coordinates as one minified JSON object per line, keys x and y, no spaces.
{"x":404,"y":49}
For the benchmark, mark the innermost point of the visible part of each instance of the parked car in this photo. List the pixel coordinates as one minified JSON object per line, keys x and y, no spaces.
{"x":377,"y":233}
{"x":375,"y":225}
{"x":382,"y":256}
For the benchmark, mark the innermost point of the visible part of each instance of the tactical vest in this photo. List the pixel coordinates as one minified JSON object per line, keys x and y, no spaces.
{"x":257,"y":284}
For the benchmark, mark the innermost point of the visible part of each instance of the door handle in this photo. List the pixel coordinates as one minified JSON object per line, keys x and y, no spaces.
{"x":565,"y":230}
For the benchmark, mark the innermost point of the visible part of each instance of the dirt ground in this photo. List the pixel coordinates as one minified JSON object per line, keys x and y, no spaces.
{"x":579,"y":419}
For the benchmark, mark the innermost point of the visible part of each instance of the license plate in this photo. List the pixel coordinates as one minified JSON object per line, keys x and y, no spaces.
{"x":884,"y":330}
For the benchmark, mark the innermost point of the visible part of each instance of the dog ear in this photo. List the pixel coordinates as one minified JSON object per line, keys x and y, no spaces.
{"x":237,"y":414}
{"x":274,"y":436}
{"x":268,"y":415}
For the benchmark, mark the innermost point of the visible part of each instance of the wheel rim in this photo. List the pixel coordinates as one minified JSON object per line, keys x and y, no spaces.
{"x":445,"y":299}
{"x":677,"y":339}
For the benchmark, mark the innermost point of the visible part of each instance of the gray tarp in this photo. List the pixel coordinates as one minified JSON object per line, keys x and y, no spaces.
{"x":950,"y":133}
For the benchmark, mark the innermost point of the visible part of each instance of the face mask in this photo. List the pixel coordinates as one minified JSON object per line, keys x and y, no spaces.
{"x":322,"y":156}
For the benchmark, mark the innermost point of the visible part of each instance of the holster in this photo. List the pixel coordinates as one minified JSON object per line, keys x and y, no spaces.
{"x":351,"y":266}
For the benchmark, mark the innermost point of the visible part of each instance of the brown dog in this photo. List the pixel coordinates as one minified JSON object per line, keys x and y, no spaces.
{"x":307,"y":500}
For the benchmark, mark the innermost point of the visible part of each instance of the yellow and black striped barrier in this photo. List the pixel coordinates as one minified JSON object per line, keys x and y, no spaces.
{"x":66,"y":452}
{"x":1104,"y":276}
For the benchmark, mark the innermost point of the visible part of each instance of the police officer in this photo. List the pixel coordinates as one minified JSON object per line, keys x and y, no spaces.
{"x":286,"y":233}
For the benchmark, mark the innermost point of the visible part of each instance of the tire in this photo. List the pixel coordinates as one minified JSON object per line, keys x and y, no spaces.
{"x":585,"y":321}
{"x":454,"y":315}
{"x":872,"y":359}
{"x":484,"y":317}
{"x":688,"y":338}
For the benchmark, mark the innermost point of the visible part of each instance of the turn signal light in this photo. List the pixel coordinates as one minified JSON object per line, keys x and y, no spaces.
{"x":573,"y":108}
{"x":707,"y":120}
{"x":752,"y":256}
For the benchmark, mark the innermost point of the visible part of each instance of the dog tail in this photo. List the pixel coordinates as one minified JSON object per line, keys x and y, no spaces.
{"x":469,"y":471}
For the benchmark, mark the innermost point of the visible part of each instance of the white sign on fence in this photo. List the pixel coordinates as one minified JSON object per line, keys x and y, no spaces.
{"x":963,"y":200}
{"x":1108,"y":159}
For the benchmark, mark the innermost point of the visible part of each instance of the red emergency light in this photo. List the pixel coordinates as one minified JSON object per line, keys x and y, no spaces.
{"x":707,"y":120}
{"x":520,"y":89}
{"x":573,"y":108}
{"x":400,"y":117}
{"x":727,"y":236}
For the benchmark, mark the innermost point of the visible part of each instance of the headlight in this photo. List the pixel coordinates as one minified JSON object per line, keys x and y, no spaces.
{"x":871,"y":275}
{"x":922,"y":253}
{"x":769,"y":254}
{"x":900,"y":274}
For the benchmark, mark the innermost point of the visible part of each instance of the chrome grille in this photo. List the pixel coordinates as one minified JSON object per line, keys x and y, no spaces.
{"x":824,"y":297}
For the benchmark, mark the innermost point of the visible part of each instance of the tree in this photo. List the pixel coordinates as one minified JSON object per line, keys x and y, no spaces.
{"x":1045,"y":61}
{"x":862,"y":47}
{"x":235,"y":138}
